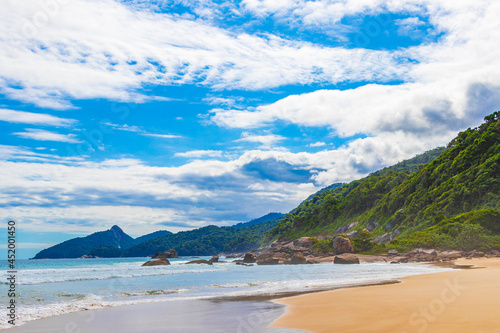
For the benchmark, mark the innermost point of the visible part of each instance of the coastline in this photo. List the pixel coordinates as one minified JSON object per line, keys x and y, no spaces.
{"x":238,"y":310}
{"x":465,"y":300}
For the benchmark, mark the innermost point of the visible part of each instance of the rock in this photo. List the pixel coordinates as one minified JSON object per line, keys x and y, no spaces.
{"x":303,"y":242}
{"x":233,"y":255}
{"x":387,"y":227}
{"x":167,"y":254}
{"x":346,"y":258}
{"x":371,"y":225}
{"x":243,"y":264}
{"x":268,"y":259}
{"x":474,"y":254}
{"x":346,"y":228}
{"x":214,"y":259}
{"x":87,"y":256}
{"x":384,"y":238}
{"x":367,"y":258}
{"x":342,"y":245}
{"x":159,"y":262}
{"x":493,"y":253}
{"x":200,"y":261}
{"x":297,"y":259}
{"x":250,"y":258}
{"x":392,"y":252}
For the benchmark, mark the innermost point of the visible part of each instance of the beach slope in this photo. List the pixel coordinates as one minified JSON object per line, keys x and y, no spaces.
{"x":455,"y":301}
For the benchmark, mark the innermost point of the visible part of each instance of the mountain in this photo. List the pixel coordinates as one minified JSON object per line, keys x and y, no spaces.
{"x":444,"y":198}
{"x":152,"y":235}
{"x":265,"y":218}
{"x":208,"y":240}
{"x":77,"y":247}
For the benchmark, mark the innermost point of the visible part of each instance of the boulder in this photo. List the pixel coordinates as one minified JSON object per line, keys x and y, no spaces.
{"x":346,"y":228}
{"x":297,"y":259}
{"x":214,"y":259}
{"x":243,"y":264}
{"x":371,"y":225}
{"x":303,"y":242}
{"x":346,"y":258}
{"x":384,"y":238}
{"x":250,"y":258}
{"x":87,"y":256}
{"x":159,"y":262}
{"x":200,"y":261}
{"x":268,"y":259}
{"x":392,"y":252}
{"x":167,"y":254}
{"x":342,"y":245}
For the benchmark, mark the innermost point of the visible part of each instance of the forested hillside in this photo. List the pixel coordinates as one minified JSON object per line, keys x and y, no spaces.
{"x":459,"y":186}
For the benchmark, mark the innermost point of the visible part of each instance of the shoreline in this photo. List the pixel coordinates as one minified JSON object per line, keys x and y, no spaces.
{"x":463,"y":300}
{"x":29,"y":326}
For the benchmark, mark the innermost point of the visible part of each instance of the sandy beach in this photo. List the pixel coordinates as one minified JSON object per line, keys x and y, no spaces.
{"x":465,"y":300}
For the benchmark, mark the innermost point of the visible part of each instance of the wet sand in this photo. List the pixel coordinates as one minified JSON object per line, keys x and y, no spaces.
{"x":190,"y":316}
{"x":455,"y":301}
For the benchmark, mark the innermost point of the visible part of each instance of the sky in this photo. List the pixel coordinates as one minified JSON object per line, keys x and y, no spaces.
{"x":176,"y":114}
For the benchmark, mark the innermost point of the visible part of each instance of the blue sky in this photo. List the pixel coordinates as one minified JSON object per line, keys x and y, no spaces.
{"x":176,"y":114}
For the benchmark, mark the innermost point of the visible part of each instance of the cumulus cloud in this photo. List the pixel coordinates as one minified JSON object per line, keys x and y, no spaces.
{"x":452,"y":85}
{"x":127,"y":192}
{"x":109,"y":50}
{"x":317,"y":144}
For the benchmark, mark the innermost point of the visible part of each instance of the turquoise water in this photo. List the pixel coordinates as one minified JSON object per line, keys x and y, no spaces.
{"x":51,"y":287}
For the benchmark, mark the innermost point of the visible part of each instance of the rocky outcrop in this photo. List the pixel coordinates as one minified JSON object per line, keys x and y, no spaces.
{"x":167,"y":254}
{"x":371,"y":225}
{"x":87,"y":256}
{"x":346,"y":228}
{"x":346,"y":258}
{"x":200,"y":261}
{"x":386,"y":238}
{"x":342,"y":245}
{"x":159,"y":262}
{"x":393,"y":252}
{"x":214,"y":259}
{"x":250,"y":258}
{"x":297,"y":259}
{"x":303,"y":242}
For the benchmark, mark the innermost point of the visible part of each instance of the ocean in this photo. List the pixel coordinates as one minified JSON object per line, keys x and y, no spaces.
{"x":47,"y":288}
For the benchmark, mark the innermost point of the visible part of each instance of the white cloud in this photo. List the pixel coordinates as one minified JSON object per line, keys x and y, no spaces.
{"x":266,"y":141}
{"x":136,"y":129}
{"x":42,"y":135}
{"x":199,"y":153}
{"x":32,"y":118}
{"x":109,"y":50}
{"x":317,"y":144}
{"x":452,"y":85}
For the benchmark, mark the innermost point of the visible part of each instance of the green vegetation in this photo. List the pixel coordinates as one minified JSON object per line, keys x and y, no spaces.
{"x":208,"y":240}
{"x":322,"y":245}
{"x":102,"y":251}
{"x":77,"y":247}
{"x":417,"y":197}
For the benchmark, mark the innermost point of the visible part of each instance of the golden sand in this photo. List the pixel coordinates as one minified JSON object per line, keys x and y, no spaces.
{"x":455,"y":301}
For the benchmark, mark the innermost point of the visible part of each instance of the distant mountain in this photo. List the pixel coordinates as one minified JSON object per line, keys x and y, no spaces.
{"x":152,"y":235}
{"x":445,"y":198}
{"x":208,"y":240}
{"x":265,"y":218}
{"x":77,"y":247}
